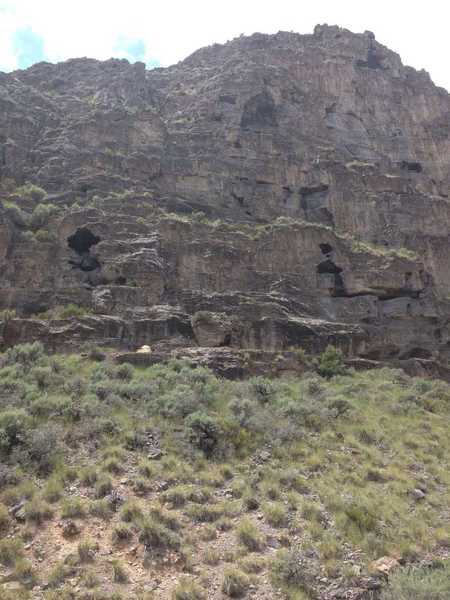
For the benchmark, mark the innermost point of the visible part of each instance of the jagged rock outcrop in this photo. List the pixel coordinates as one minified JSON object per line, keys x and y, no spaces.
{"x":275,"y":192}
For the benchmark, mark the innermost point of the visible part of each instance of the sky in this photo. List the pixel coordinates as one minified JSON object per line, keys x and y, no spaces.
{"x":165,"y":32}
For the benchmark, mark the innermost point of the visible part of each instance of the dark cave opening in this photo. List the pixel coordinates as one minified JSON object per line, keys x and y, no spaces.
{"x":374,"y":60}
{"x":259,"y":112}
{"x":411,"y":165}
{"x":328,"y":267}
{"x":227,"y":340}
{"x":81,"y":242}
{"x":325,"y":248}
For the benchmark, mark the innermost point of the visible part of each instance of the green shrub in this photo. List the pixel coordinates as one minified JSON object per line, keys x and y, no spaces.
{"x":187,"y":589}
{"x":90,"y":579}
{"x":263,"y":389}
{"x":180,"y":401}
{"x":103,"y":486}
{"x":45,"y":237}
{"x":25,"y":354}
{"x":140,"y":486}
{"x":250,"y":536}
{"x":86,"y":551}
{"x":235,"y":583}
{"x":252,"y":564}
{"x":10,"y":551}
{"x":72,"y":311}
{"x":69,"y":474}
{"x":203,"y":432}
{"x":276,"y":514}
{"x":121,"y":533}
{"x":96,"y":353}
{"x":224,"y":524}
{"x":311,"y":511}
{"x":124,"y":372}
{"x":131,"y":512}
{"x":41,"y":215}
{"x":59,"y":573}
{"x":177,"y":496}
{"x":73,"y":508}
{"x":207,"y":533}
{"x":165,"y":517}
{"x":88,"y":476}
{"x":23,"y":491}
{"x":361,"y":515}
{"x":115,"y":452}
{"x":422,"y":583}
{"x":146,"y":468}
{"x":14,"y":426}
{"x":5,"y":520}
{"x":331,"y":363}
{"x":205,"y":513}
{"x":112,"y":465}
{"x":7,"y":314}
{"x":37,"y":511}
{"x":42,"y":445}
{"x":157,"y":537}
{"x":120,"y":574}
{"x":25,"y":573}
{"x":31,"y":191}
{"x":292,"y":568}
{"x":211,"y":557}
{"x":18,"y":216}
{"x":100,"y":509}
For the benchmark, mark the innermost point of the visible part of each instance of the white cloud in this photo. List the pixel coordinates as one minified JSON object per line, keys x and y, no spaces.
{"x":172,"y":29}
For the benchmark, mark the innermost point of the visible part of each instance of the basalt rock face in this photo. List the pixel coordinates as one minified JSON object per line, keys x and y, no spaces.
{"x":275,"y":192}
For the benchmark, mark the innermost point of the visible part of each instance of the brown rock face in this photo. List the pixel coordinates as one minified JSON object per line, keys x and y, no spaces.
{"x":279,"y":191}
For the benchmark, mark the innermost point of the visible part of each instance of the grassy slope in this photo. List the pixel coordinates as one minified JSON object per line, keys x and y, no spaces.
{"x":254,"y":477}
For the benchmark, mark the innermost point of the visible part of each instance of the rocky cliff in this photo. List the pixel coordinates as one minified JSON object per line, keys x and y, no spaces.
{"x":277,"y":192}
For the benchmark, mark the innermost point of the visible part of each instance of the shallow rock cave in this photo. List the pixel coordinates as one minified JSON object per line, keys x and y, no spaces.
{"x":421,"y":353}
{"x":259,"y":112}
{"x":81,"y":243}
{"x":411,"y":165}
{"x":374,"y":60}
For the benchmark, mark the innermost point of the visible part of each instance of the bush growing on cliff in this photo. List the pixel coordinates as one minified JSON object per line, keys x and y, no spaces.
{"x":18,"y":216}
{"x":45,"y":237}
{"x":7,"y":314}
{"x":331,"y":362}
{"x":41,"y":214}
{"x":72,"y":311}
{"x":31,"y":192}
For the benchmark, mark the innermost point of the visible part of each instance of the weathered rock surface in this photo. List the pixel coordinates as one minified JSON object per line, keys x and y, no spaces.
{"x":320,"y":165}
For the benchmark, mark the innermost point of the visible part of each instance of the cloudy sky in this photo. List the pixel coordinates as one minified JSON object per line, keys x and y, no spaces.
{"x":162,"y":33}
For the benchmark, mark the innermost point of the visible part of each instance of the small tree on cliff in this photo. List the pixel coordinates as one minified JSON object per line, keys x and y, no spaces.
{"x":331,"y":362}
